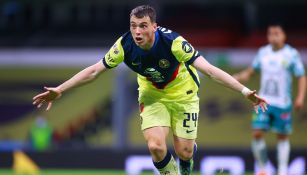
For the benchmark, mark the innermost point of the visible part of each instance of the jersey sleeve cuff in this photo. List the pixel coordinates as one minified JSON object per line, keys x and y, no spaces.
{"x":191,"y":60}
{"x":195,"y":55}
{"x":105,"y":64}
{"x":301,"y":74}
{"x":256,"y":68}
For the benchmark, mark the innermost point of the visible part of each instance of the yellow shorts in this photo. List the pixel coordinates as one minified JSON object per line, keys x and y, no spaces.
{"x":181,"y":117}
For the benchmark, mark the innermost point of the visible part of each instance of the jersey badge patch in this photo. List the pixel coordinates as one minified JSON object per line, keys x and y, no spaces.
{"x":186,"y":47}
{"x":164,"y":63}
{"x":115,"y":49}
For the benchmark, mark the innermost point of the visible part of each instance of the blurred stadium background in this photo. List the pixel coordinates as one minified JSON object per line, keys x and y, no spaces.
{"x":95,"y":129}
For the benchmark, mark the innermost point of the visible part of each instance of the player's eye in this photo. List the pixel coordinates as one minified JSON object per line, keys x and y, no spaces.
{"x":143,"y":26}
{"x":133,"y":26}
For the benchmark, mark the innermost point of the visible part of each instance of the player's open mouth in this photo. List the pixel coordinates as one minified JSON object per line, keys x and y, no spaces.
{"x":138,"y":39}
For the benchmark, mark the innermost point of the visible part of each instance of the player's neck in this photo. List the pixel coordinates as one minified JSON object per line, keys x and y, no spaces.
{"x":278,"y":47}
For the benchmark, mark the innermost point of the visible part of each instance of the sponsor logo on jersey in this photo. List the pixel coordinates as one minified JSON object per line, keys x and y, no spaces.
{"x":115,"y":49}
{"x":186,"y":47}
{"x":109,"y":58}
{"x":272,"y":63}
{"x":284,"y":63}
{"x":189,"y":131}
{"x":154,"y":75}
{"x":135,"y":64}
{"x":164,"y":63}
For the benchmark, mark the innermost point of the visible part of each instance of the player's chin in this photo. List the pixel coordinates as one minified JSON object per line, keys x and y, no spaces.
{"x":140,"y":44}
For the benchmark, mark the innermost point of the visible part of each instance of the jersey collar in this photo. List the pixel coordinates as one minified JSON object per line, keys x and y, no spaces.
{"x":144,"y":52}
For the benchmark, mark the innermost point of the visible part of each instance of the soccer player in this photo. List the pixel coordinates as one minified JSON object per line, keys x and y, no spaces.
{"x":276,"y":63}
{"x":166,"y":66}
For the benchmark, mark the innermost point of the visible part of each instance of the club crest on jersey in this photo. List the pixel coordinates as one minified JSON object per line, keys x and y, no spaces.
{"x":284,"y":63}
{"x":186,"y":47}
{"x":164,"y":63}
{"x":115,"y":49}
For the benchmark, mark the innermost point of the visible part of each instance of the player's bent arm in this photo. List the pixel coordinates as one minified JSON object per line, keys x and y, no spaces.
{"x":85,"y":76}
{"x":301,"y":91}
{"x":245,"y":74}
{"x":218,"y":75}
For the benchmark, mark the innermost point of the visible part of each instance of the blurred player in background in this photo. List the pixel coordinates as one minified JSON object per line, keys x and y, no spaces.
{"x":168,"y":84}
{"x":276,"y":63}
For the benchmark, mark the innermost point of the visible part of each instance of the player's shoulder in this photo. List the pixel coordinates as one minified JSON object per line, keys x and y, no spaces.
{"x":265,"y":48}
{"x":290,"y":49}
{"x":167,"y":34}
{"x":126,"y":38}
{"x":126,"y":41}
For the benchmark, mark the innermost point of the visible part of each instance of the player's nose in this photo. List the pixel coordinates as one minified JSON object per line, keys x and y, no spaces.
{"x":137,"y":31}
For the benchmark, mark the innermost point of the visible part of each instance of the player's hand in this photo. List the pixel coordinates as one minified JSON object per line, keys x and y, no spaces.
{"x":242,"y":76}
{"x":236,"y":76}
{"x":298,"y":104}
{"x":47,"y":97}
{"x":257,"y":101}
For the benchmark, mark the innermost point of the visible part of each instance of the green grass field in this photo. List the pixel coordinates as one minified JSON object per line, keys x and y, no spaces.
{"x":74,"y":172}
{"x":77,"y":172}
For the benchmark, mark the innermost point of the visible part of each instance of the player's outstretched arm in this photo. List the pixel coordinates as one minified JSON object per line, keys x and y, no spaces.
{"x":301,"y":91}
{"x":218,"y":75}
{"x":51,"y":93}
{"x":244,"y":75}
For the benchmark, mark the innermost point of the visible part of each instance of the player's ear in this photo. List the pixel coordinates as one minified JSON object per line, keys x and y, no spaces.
{"x":284,"y":35}
{"x":155,"y":26}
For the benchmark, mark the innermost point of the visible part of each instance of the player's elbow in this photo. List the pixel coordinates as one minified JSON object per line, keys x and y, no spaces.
{"x":244,"y":78}
{"x":302,"y":81}
{"x":302,"y":78}
{"x":93,"y":74}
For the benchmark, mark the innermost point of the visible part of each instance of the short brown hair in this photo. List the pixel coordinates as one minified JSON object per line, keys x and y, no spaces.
{"x":144,"y":10}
